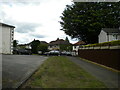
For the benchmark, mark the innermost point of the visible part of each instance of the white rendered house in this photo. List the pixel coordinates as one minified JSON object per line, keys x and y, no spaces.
{"x":109,"y":34}
{"x":76,"y":46}
{"x":6,"y":38}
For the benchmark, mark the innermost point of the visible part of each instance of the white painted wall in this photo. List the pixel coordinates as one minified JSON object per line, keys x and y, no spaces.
{"x":54,"y":47}
{"x":0,"y":38}
{"x":114,"y":36}
{"x":75,"y":48}
{"x":7,"y":39}
{"x":118,"y":37}
{"x":111,"y":38}
{"x":102,"y":37}
{"x":28,"y":47}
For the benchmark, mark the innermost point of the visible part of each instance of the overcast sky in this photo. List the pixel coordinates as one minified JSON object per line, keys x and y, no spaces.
{"x":34,"y":20}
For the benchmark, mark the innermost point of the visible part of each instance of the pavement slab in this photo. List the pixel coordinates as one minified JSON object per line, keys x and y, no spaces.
{"x":18,"y":68}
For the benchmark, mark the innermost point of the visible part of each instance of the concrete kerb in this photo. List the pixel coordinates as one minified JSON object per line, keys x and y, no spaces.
{"x":27,"y":78}
{"x":111,"y":69}
{"x":23,"y":82}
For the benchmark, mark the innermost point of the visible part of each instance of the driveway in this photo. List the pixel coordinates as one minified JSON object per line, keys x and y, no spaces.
{"x":109,"y":78}
{"x":17,"y":68}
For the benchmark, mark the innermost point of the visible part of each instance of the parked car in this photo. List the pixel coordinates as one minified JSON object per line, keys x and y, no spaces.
{"x":39,"y":52}
{"x":23,"y":51}
{"x":69,"y":53}
{"x":63,"y":53}
{"x":66,"y":53}
{"x":54,"y":52}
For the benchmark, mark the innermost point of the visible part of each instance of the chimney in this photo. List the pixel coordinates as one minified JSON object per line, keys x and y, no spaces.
{"x":57,"y":39}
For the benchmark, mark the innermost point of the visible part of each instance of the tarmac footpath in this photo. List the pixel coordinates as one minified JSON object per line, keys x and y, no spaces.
{"x":109,"y":78}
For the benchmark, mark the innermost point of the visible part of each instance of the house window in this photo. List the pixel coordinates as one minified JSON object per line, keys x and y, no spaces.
{"x":115,"y":37}
{"x":74,"y":46}
{"x":12,"y":34}
{"x":12,"y":31}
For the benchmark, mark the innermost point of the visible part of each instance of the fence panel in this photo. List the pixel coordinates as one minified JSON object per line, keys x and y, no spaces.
{"x":107,"y":57}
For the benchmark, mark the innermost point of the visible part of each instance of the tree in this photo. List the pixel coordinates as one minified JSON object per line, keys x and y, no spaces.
{"x":66,"y":47}
{"x":34,"y":45}
{"x":66,"y":39}
{"x":15,"y":42}
{"x":43,"y":48}
{"x":84,"y":20}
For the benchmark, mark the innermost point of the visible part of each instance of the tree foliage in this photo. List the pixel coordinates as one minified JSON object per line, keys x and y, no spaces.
{"x":15,"y":42}
{"x":34,"y":45}
{"x":84,"y":20}
{"x":66,"y":39}
{"x":66,"y":47}
{"x":43,"y":48}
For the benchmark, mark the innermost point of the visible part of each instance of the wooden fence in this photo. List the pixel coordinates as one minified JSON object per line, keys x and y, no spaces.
{"x":107,"y":57}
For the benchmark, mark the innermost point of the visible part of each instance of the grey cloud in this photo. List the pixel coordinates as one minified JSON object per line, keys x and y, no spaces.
{"x":21,"y":27}
{"x":37,"y":35}
{"x":24,"y":2}
{"x":74,"y":39}
{"x":2,"y":15}
{"x":22,"y":41}
{"x":26,"y":27}
{"x":20,"y":2}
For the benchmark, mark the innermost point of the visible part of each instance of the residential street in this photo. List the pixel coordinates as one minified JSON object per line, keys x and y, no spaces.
{"x":109,"y":78}
{"x":17,"y":68}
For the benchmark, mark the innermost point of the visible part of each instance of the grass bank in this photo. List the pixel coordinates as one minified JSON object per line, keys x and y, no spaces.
{"x":59,"y":72}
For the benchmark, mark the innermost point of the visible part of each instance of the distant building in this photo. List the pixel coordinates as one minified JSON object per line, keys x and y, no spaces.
{"x":55,"y":45}
{"x":77,"y":45}
{"x":6,"y":38}
{"x":24,"y":46}
{"x":109,"y":34}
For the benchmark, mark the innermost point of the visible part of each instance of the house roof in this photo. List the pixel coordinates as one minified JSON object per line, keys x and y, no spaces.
{"x":58,"y":41}
{"x":3,"y":24}
{"x":111,"y":30}
{"x":79,"y":43}
{"x":43,"y":42}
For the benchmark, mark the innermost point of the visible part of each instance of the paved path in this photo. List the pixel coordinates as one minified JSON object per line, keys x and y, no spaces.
{"x":17,"y":68}
{"x":109,"y":78}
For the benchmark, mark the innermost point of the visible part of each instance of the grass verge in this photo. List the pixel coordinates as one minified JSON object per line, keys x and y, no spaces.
{"x":59,"y":72}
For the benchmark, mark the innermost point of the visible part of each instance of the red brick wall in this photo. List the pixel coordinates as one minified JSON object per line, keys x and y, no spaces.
{"x":107,"y":57}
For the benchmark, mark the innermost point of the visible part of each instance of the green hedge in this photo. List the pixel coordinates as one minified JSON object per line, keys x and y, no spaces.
{"x":111,"y":43}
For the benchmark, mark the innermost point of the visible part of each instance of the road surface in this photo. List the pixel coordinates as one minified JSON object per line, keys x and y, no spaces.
{"x":17,"y":68}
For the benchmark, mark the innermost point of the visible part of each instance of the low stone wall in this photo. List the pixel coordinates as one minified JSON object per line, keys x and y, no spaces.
{"x":107,"y":57}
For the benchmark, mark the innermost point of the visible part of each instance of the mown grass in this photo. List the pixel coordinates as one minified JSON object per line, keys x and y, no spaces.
{"x":59,"y":72}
